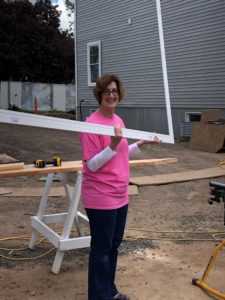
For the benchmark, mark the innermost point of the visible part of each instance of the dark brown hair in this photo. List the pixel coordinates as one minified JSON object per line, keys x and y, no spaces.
{"x":103,"y":82}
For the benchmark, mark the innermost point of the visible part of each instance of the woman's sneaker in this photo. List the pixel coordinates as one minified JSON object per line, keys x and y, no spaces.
{"x":120,"y":296}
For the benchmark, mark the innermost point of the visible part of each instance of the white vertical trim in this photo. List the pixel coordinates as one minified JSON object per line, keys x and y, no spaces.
{"x":100,"y":59}
{"x":164,"y":68}
{"x":75,"y":52}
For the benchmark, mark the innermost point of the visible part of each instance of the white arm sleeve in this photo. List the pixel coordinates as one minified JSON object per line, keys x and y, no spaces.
{"x":97,"y":161}
{"x":133,"y":149}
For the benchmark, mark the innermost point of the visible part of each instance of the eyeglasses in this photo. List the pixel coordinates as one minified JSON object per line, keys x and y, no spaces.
{"x":115,"y":92}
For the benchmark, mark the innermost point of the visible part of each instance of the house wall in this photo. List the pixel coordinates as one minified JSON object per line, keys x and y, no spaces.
{"x":194,"y":34}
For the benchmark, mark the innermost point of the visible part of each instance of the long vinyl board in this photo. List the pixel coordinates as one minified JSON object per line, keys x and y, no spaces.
{"x":19,"y":118}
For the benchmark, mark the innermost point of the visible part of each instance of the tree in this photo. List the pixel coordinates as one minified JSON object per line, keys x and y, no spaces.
{"x":32,"y":46}
{"x":70,"y":11}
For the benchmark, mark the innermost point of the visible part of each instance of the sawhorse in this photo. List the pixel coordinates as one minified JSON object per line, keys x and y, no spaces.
{"x":39,"y":223}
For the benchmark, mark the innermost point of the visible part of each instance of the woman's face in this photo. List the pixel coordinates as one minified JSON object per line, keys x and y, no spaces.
{"x":110,"y":97}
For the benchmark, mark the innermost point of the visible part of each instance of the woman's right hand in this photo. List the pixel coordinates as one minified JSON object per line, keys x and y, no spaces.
{"x":115,"y":140}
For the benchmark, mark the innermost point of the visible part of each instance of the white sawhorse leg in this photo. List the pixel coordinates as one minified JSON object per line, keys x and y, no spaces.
{"x":43,"y":203}
{"x":39,"y":223}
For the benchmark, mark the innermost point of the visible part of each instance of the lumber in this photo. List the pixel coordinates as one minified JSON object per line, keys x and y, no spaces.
{"x":11,"y":166}
{"x":4,"y":191}
{"x":75,"y":166}
{"x":132,"y":190}
{"x":152,"y":162}
{"x":178,"y":177}
{"x":30,"y":170}
{"x":56,"y":191}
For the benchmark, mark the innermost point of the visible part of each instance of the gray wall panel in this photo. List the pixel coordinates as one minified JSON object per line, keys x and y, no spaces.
{"x":194,"y":33}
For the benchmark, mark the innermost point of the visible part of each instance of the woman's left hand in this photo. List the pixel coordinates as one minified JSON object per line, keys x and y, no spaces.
{"x":115,"y":140}
{"x":155,"y":140}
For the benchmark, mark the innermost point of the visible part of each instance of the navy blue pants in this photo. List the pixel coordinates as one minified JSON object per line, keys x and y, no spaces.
{"x":107,"y":228}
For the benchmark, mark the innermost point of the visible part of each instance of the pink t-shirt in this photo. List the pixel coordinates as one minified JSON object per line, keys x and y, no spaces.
{"x":107,"y":188}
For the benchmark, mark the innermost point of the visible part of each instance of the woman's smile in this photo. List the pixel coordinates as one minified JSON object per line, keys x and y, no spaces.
{"x":110,"y":99}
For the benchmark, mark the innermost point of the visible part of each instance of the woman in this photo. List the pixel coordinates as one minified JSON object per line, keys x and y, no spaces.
{"x":105,"y":188}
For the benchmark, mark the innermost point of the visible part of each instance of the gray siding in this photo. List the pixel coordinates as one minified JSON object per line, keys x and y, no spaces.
{"x":195,"y":46}
{"x":131,"y":51}
{"x":194,"y":33}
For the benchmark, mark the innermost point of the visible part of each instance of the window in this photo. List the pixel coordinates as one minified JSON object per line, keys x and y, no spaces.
{"x":192,"y":116}
{"x":94,"y":62}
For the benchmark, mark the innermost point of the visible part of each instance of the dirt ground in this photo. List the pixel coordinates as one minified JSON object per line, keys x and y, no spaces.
{"x":158,"y":267}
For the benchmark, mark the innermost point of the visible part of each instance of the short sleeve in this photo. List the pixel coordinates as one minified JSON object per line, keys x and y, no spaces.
{"x":91,"y":145}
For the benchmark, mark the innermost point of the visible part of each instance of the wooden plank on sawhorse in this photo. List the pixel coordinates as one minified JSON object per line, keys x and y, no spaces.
{"x":76,"y":166}
{"x":11,"y":166}
{"x":31,"y":170}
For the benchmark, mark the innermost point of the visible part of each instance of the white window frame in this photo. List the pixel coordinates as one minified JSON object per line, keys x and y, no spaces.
{"x":89,"y":45}
{"x":187,"y":115}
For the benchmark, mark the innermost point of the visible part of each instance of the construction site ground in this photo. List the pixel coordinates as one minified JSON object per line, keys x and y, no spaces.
{"x":159,"y":266}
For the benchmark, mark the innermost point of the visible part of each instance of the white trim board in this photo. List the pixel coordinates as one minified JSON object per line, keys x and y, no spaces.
{"x":19,"y":118}
{"x":164,"y":69}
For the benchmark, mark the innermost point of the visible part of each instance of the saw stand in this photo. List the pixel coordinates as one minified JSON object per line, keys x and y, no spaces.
{"x":40,"y":222}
